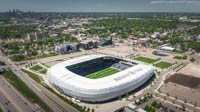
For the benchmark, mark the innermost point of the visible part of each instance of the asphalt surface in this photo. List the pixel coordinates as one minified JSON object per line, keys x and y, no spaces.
{"x":55,"y":103}
{"x":7,"y":105}
{"x":14,"y":97}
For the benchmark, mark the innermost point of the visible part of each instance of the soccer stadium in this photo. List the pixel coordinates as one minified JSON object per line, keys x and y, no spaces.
{"x":97,"y":78}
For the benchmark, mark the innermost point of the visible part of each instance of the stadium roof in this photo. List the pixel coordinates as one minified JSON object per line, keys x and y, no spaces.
{"x":76,"y":81}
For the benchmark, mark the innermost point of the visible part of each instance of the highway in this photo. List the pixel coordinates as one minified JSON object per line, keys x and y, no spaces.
{"x":5,"y":103}
{"x":13,"y":96}
{"x":55,"y":103}
{"x":42,"y":23}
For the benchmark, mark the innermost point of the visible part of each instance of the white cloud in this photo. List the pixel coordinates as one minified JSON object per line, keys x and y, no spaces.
{"x":175,"y":2}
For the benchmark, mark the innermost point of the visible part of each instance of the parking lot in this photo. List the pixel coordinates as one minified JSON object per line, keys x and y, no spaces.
{"x":181,"y":92}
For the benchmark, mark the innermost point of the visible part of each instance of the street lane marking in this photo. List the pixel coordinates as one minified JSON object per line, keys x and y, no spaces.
{"x":36,"y":87}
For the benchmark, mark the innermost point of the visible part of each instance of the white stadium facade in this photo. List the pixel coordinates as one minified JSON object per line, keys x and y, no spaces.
{"x":68,"y":77}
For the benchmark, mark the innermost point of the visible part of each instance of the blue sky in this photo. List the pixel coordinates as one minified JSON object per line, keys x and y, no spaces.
{"x":102,"y":5}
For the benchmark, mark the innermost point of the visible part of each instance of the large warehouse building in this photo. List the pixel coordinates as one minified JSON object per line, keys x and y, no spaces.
{"x":97,"y":78}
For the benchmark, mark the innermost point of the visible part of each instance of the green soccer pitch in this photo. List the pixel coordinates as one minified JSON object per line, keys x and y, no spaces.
{"x":102,"y":73}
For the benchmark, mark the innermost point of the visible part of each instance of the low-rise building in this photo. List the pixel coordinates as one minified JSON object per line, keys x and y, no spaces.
{"x":67,"y":48}
{"x":36,"y":35}
{"x":104,"y":42}
{"x":155,"y":35}
{"x":88,"y":44}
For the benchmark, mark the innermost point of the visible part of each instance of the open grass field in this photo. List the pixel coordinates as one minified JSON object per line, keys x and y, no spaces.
{"x":180,"y":57}
{"x":179,"y":51}
{"x":146,"y":60}
{"x":36,"y":68}
{"x":102,"y":73}
{"x":25,"y":90}
{"x":163,"y":64}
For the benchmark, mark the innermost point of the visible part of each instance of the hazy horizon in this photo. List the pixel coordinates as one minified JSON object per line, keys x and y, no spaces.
{"x":102,"y":5}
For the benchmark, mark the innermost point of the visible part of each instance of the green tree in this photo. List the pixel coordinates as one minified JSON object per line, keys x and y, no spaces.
{"x":159,"y":105}
{"x":88,"y":109}
{"x":183,"y":107}
{"x":147,"y":108}
{"x":185,"y":101}
{"x":140,"y":99}
{"x":154,"y":103}
{"x":183,"y":47}
{"x":154,"y":52}
{"x":151,"y":96}
{"x":195,"y":104}
{"x":127,"y":95}
{"x":135,"y":101}
{"x":119,"y":97}
{"x":84,"y":108}
{"x":192,"y":59}
{"x":133,"y":94}
{"x":173,"y":101}
{"x":167,"y":94}
{"x":145,"y":96}
{"x":153,"y":110}
{"x":164,"y":98}
{"x":159,"y":90}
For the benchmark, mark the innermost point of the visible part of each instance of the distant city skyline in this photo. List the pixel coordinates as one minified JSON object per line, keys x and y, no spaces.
{"x":102,"y":5}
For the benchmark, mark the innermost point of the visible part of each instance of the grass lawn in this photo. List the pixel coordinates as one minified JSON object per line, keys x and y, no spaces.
{"x":163,"y":64}
{"x":25,"y":90}
{"x":36,"y":68}
{"x":43,"y":71}
{"x":180,"y":57}
{"x":32,"y":75}
{"x":146,"y":60}
{"x":102,"y":73}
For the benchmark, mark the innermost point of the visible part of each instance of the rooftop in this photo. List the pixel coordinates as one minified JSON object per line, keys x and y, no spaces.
{"x":129,"y":75}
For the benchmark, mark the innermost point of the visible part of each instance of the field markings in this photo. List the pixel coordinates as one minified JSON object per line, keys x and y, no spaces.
{"x":102,"y":73}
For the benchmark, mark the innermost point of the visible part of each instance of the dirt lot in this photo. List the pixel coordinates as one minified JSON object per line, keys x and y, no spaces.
{"x":185,"y":80}
{"x":183,"y":86}
{"x":116,"y":50}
